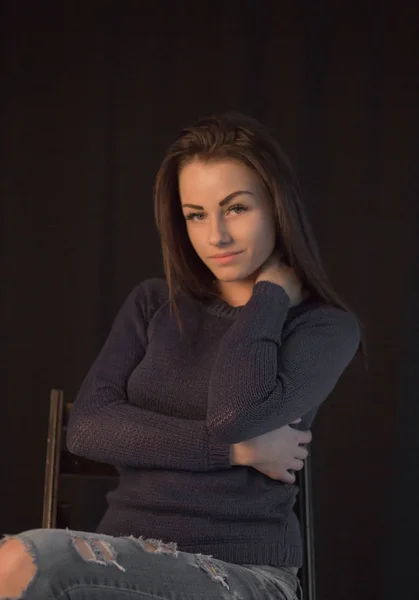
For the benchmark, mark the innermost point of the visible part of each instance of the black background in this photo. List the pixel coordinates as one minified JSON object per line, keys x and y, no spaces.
{"x":92,"y":95}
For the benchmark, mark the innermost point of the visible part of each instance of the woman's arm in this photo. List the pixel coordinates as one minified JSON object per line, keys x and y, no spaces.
{"x":104,"y":427}
{"x":260,"y":382}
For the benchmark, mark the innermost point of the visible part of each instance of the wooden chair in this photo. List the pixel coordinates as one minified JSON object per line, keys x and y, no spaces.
{"x":304,"y":511}
{"x":66,"y":475}
{"x":75,"y":488}
{"x":52,"y":461}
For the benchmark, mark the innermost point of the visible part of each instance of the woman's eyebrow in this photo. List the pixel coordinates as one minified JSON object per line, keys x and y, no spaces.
{"x":223,"y":202}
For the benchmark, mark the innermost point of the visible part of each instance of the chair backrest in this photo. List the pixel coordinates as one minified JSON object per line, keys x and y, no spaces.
{"x":58,"y":460}
{"x":52,"y":461}
{"x":66,"y":475}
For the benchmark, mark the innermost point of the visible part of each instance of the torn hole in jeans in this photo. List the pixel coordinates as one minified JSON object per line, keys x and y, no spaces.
{"x":156,"y":546}
{"x":96,"y":550}
{"x":22,"y":588}
{"x":212,"y":569}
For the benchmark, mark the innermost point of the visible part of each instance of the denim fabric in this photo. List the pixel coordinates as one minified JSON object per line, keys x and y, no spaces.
{"x":88,"y":566}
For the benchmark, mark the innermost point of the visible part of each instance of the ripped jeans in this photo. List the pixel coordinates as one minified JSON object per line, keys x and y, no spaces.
{"x":78,"y":565}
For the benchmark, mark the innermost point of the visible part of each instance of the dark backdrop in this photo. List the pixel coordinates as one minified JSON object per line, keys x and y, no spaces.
{"x":92,"y":94}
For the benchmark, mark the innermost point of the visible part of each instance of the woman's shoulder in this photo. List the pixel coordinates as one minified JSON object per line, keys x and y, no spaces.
{"x":153,"y":286}
{"x":150,"y":295}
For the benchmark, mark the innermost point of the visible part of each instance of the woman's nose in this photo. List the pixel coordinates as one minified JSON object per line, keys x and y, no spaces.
{"x":219,"y":233}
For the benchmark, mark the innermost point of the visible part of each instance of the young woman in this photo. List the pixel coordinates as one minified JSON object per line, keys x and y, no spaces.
{"x":196,"y":393}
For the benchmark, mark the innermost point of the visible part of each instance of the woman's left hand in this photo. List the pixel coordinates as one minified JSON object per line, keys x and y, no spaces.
{"x":275,"y":271}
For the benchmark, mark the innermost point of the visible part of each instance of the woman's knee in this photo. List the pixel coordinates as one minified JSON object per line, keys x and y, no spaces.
{"x":14,"y":553}
{"x":17,"y":568}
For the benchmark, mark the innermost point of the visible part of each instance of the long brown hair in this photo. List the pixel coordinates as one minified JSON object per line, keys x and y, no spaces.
{"x":239,"y":137}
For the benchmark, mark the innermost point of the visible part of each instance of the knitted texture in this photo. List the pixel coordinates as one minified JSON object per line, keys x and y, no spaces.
{"x":164,"y":407}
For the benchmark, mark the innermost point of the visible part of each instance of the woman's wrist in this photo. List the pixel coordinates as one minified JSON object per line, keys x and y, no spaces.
{"x":238,"y":456}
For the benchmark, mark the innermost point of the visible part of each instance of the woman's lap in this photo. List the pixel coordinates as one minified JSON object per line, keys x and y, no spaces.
{"x":80,"y":565}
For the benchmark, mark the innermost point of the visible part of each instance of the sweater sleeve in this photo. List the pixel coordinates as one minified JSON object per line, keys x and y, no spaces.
{"x":105,"y":427}
{"x":262,"y":381}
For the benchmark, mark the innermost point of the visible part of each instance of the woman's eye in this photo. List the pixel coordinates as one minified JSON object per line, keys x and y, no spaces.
{"x":199,"y":216}
{"x":238,"y":208}
{"x":194,"y":216}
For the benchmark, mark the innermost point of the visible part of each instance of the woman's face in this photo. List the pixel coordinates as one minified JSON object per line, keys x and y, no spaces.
{"x":227,"y":211}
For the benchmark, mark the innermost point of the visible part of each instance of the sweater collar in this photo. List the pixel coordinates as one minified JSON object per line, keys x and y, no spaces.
{"x":223,"y":309}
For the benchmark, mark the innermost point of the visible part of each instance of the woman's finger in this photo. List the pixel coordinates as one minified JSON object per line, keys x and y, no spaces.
{"x":301,"y":453}
{"x":297,"y":464}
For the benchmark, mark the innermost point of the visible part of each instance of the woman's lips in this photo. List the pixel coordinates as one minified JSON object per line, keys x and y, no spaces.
{"x":226,"y":258}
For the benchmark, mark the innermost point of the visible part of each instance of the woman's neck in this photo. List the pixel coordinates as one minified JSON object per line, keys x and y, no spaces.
{"x":235,"y":293}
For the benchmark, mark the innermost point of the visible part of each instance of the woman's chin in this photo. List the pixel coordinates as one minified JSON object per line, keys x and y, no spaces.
{"x":233,"y":275}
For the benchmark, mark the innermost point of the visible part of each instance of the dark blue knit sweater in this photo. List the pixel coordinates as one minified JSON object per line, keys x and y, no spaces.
{"x":164,"y":407}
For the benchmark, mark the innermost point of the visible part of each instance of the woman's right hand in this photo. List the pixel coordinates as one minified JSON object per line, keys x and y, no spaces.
{"x":274,"y":453}
{"x":276,"y":271}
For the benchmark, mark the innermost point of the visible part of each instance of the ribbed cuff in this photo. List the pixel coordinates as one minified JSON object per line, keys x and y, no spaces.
{"x":263,"y":317}
{"x":273,"y":290}
{"x":218,"y":455}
